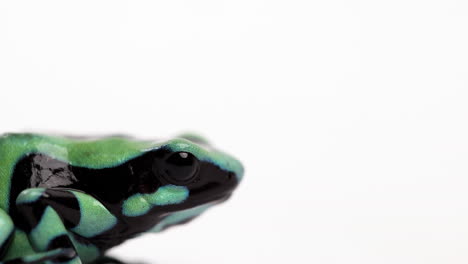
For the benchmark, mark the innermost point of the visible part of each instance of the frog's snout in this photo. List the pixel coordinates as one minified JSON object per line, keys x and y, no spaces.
{"x":215,"y":185}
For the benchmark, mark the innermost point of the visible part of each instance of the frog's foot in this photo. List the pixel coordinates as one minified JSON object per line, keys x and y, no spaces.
{"x":52,"y":217}
{"x":45,"y":213}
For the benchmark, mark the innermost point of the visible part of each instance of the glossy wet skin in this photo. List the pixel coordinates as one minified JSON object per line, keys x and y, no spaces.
{"x":206,"y":182}
{"x":140,"y":192}
{"x":128,"y":187}
{"x":189,"y":188}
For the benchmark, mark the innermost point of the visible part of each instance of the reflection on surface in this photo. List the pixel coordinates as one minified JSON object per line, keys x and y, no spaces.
{"x":110,"y":260}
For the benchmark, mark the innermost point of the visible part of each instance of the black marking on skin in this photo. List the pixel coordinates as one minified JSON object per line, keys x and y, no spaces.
{"x":188,"y":220}
{"x":65,"y":202}
{"x":34,"y":211}
{"x":16,"y":261}
{"x":112,"y":186}
{"x":6,"y":244}
{"x":62,"y":241}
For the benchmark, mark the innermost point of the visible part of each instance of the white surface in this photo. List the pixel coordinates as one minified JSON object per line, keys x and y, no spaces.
{"x":350,"y":116}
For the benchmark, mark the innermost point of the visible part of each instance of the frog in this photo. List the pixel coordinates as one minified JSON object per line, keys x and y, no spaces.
{"x":70,"y":199}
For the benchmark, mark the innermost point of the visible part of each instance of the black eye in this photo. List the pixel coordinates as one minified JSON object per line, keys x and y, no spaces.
{"x":181,"y":167}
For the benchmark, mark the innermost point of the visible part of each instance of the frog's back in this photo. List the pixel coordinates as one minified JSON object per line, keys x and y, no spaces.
{"x":84,"y":152}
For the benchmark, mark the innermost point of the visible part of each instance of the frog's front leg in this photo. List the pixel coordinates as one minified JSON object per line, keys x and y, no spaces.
{"x":53,"y":215}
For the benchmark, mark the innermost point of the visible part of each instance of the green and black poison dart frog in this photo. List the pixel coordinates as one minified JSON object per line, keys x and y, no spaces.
{"x":69,"y":200}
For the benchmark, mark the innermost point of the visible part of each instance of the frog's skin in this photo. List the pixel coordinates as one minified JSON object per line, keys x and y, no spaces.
{"x":69,"y":200}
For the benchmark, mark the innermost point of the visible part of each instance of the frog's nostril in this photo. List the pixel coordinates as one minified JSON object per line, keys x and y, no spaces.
{"x":230,"y":176}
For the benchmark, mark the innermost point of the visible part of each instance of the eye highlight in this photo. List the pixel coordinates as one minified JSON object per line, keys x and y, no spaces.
{"x":181,"y":167}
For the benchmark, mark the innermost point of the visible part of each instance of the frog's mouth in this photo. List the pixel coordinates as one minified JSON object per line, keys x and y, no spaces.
{"x":184,"y":216}
{"x":216,"y":188}
{"x":212,"y":200}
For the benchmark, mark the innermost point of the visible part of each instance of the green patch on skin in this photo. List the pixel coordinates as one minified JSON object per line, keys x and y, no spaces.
{"x":95,"y":153}
{"x":29,"y":195}
{"x":40,"y":256}
{"x":87,"y":252}
{"x":95,"y":218}
{"x":19,"y":247}
{"x":49,"y":227}
{"x":136,"y":205}
{"x":169,"y":194}
{"x":139,"y":204}
{"x":180,"y":216}
{"x":6,"y":227}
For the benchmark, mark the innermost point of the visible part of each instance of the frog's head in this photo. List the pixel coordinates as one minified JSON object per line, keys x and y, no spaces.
{"x":192,"y":176}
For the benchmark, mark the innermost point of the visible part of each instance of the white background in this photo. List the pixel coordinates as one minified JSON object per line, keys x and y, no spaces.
{"x":350,"y":116}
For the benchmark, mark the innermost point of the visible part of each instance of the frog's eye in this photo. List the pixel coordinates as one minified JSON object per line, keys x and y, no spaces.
{"x":181,"y":167}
